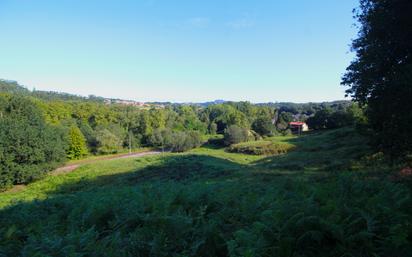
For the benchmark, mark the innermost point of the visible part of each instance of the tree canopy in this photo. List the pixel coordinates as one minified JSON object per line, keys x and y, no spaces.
{"x":380,"y":77}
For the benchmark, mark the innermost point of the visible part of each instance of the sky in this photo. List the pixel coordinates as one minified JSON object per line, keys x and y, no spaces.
{"x":180,"y":50}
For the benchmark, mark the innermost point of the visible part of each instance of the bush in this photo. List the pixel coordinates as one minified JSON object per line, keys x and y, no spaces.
{"x":184,"y":141}
{"x":235,"y":134}
{"x":179,"y":141}
{"x":262,"y":147}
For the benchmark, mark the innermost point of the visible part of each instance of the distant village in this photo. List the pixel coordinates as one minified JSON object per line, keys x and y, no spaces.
{"x":132,"y":103}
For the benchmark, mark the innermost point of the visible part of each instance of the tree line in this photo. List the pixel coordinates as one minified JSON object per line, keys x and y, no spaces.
{"x":39,"y":133}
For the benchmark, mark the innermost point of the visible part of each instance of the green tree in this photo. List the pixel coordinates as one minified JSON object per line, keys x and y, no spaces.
{"x":90,"y":136}
{"x":225,"y":115}
{"x":282,"y":121}
{"x":28,"y":146}
{"x":263,"y":126}
{"x":380,"y":77}
{"x":77,"y":144}
{"x":161,"y":138}
{"x":235,"y":134}
{"x":320,"y":120}
{"x":107,"y":141}
{"x":212,"y":128}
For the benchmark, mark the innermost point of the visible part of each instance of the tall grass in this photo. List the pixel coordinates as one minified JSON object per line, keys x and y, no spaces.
{"x":210,"y":203}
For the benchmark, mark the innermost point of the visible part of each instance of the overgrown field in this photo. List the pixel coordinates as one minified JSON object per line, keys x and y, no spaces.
{"x":321,"y":199}
{"x":268,"y":146}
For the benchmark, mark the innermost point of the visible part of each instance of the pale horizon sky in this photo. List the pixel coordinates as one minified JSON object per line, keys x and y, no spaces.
{"x":180,"y":51}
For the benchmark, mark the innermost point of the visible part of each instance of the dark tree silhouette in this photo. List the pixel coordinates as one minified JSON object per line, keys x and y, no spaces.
{"x":380,"y":77}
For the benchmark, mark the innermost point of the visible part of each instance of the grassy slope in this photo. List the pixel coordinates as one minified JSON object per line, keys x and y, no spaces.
{"x":92,"y":158}
{"x":209,"y":202}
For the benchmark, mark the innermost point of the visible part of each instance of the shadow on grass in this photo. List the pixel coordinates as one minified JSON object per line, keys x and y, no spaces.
{"x":189,"y":205}
{"x":316,"y":154}
{"x":85,"y":216}
{"x":173,"y":168}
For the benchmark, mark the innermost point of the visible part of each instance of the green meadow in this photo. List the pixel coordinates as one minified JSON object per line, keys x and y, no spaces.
{"x":322,"y":198}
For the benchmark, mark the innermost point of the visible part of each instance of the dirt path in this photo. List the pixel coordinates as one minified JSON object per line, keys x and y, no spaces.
{"x":71,"y":167}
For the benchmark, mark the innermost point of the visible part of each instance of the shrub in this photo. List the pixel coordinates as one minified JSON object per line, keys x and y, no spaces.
{"x":179,"y":141}
{"x":235,"y":134}
{"x":184,"y":141}
{"x":77,"y":144}
{"x":262,"y":147}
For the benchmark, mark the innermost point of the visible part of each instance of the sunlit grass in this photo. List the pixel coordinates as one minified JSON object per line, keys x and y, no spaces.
{"x":211,"y":201}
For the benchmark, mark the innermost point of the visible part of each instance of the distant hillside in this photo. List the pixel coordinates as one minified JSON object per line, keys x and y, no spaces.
{"x":10,"y":86}
{"x":13,"y":87}
{"x":206,"y":104}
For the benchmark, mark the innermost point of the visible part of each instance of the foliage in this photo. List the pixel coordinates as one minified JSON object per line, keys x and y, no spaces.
{"x":176,"y":141}
{"x":282,"y":121}
{"x":7,"y":86}
{"x":28,"y":146}
{"x":262,"y":147}
{"x":263,"y":126}
{"x":212,"y":203}
{"x":329,"y":119}
{"x":225,"y":115}
{"x":184,"y":141}
{"x":77,"y":144}
{"x":110,"y":128}
{"x":161,"y":138}
{"x":107,"y":141}
{"x":380,"y":76}
{"x":235,"y":134}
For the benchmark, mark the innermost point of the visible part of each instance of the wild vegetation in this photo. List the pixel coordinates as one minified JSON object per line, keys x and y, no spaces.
{"x":81,"y":126}
{"x":318,"y":200}
{"x":231,"y":179}
{"x":269,"y":146}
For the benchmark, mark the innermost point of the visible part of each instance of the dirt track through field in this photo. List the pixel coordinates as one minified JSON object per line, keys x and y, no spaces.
{"x":71,"y":167}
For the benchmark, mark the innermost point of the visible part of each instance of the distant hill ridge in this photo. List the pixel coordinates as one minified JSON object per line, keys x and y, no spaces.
{"x":13,"y":87}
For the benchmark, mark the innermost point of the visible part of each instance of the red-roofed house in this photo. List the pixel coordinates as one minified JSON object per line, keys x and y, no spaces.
{"x":298,"y":126}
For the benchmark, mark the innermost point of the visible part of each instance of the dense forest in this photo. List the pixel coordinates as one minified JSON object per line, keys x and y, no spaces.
{"x":40,"y":130}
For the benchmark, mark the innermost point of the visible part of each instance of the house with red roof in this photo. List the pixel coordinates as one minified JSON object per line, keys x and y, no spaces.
{"x":298,"y":127}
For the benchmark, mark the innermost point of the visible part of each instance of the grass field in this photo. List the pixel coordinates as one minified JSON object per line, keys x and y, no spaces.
{"x":92,"y":158}
{"x":321,"y":199}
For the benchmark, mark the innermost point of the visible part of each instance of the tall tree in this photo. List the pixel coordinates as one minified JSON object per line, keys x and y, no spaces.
{"x":77,"y":144}
{"x":380,"y":77}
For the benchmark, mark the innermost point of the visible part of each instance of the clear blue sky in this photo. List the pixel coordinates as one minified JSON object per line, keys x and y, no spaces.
{"x":181,"y":50}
